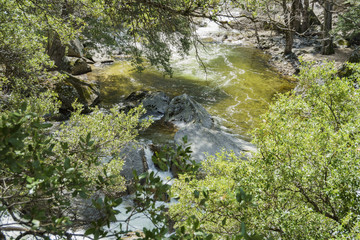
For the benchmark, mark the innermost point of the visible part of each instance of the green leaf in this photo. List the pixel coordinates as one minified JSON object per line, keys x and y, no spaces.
{"x":29,"y":179}
{"x":101,"y":179}
{"x":143,"y":175}
{"x":196,"y":194}
{"x":67,"y":163}
{"x":83,"y":194}
{"x":89,"y":231}
{"x":16,"y":142}
{"x":88,"y":137}
{"x":70,"y":170}
{"x":223,"y":222}
{"x":35,"y":223}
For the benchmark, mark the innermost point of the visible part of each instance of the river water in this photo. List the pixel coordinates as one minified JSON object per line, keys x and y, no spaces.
{"x":236,"y":86}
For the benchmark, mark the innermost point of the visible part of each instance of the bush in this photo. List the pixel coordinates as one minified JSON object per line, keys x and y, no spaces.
{"x":304,"y":180}
{"x":43,"y":171}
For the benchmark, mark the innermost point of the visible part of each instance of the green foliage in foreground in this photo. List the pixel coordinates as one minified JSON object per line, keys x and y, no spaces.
{"x":304,"y":180}
{"x":44,"y":173}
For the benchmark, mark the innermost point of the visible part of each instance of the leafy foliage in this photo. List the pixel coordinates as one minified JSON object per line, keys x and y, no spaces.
{"x":304,"y":180}
{"x":43,"y":173}
{"x":178,"y":159}
{"x":152,"y":195}
{"x":212,"y":201}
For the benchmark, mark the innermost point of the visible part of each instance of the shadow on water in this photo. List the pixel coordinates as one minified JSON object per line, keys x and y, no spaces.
{"x":116,"y":87}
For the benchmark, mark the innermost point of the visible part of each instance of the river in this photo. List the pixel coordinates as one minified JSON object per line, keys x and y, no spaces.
{"x":236,"y":86}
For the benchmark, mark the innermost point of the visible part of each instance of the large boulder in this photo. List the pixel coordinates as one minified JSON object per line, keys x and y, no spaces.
{"x":56,"y":51}
{"x":155,"y":103}
{"x":183,"y":110}
{"x":210,"y":141}
{"x":74,"y":89}
{"x":134,"y":158}
{"x":75,"y":49}
{"x":78,"y":66}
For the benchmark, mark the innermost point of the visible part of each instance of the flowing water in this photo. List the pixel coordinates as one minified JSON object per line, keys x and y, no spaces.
{"x":236,"y":86}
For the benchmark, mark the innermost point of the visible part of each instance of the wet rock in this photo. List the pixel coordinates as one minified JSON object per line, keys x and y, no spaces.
{"x":204,"y":140}
{"x":107,"y":61}
{"x":136,"y":97}
{"x":155,"y":103}
{"x":89,"y":60}
{"x":183,"y":110}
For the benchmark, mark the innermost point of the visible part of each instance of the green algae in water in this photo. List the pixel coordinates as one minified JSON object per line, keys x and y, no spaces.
{"x":237,"y":87}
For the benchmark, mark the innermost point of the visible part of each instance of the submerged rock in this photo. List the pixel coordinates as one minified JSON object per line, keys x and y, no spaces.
{"x":204,"y":140}
{"x":183,"y":110}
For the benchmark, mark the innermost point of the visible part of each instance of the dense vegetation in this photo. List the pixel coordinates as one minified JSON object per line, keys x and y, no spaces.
{"x":303,"y":183}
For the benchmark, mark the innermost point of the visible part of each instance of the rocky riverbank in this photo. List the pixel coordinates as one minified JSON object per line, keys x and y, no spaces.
{"x":305,"y":48}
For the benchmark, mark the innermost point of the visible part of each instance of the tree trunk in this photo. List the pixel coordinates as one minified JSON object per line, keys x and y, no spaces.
{"x":289,"y":34}
{"x":296,"y":15}
{"x":257,"y":35}
{"x":305,"y":16}
{"x":289,"y":38}
{"x":327,"y":42}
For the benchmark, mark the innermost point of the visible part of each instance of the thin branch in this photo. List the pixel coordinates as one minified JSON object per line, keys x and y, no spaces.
{"x":314,"y":204}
